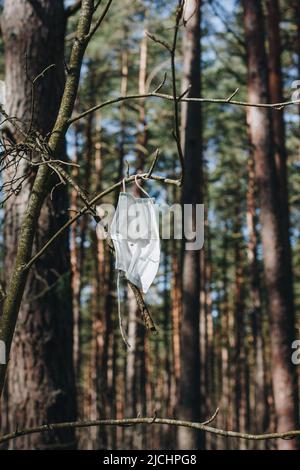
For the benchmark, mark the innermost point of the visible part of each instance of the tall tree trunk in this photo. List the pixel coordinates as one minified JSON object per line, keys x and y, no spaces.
{"x":209,"y":329}
{"x":139,"y":374}
{"x":278,"y":125}
{"x":40,"y":382}
{"x":239,"y":355}
{"x":280,"y":302}
{"x":296,"y":6}
{"x":276,"y":96}
{"x":224,"y":342}
{"x":75,"y":271}
{"x":190,"y":399}
{"x":142,"y":134}
{"x":260,"y":415}
{"x":176,"y":302}
{"x":176,"y":316}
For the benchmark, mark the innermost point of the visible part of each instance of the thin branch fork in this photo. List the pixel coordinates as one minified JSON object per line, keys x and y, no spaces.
{"x":99,"y":21}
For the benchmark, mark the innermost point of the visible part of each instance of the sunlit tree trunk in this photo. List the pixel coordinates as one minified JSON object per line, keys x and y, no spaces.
{"x":276,"y":259}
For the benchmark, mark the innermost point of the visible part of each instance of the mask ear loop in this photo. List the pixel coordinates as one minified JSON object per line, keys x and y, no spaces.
{"x":123,"y":334}
{"x":140,"y":187}
{"x":120,"y":314}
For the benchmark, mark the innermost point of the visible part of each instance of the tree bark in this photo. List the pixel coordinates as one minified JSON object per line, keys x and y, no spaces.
{"x":278,"y":127}
{"x":40,"y":383}
{"x":280,"y":302}
{"x":75,"y":271}
{"x":260,"y":391}
{"x":190,"y":399}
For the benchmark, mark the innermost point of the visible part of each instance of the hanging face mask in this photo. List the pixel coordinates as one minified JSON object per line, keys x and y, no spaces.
{"x":135,"y":235}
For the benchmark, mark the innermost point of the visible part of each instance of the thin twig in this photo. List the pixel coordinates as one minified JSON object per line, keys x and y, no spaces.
{"x":42,"y":74}
{"x":153,"y":164}
{"x":233,"y":95}
{"x":158,"y":40}
{"x":119,"y":99}
{"x":99,"y":21}
{"x":151,"y":421}
{"x":176,"y":132}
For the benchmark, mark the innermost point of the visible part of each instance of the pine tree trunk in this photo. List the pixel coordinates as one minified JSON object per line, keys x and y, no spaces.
{"x":75,"y":271}
{"x":176,"y":319}
{"x":260,"y":415}
{"x":40,"y":382}
{"x":239,"y":355}
{"x":224,"y":355}
{"x":140,"y":373}
{"x":280,"y":302}
{"x":190,"y":399}
{"x":278,"y":127}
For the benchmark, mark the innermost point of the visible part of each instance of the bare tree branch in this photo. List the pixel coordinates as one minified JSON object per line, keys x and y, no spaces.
{"x":176,"y":100}
{"x":99,"y":21}
{"x":276,"y":106}
{"x":151,"y":421}
{"x":146,"y":316}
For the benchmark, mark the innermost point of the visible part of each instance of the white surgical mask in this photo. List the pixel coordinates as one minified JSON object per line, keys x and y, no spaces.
{"x":135,"y":235}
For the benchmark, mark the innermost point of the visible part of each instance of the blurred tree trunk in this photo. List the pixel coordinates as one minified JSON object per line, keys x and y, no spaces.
{"x":276,"y":259}
{"x":278,"y":125}
{"x":239,"y":353}
{"x":190,"y":399}
{"x":296,"y":6}
{"x":176,"y":305}
{"x":137,"y":328}
{"x":142,"y":134}
{"x":203,"y":336}
{"x":276,"y":96}
{"x":40,"y":382}
{"x":260,"y":401}
{"x":75,"y":271}
{"x":99,"y":324}
{"x":168,"y":434}
{"x":130,"y":392}
{"x":209,"y":327}
{"x":176,"y":316}
{"x":110,"y":338}
{"x":224,"y":352}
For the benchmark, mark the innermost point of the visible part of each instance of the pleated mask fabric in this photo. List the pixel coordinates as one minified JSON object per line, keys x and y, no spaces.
{"x":135,"y":235}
